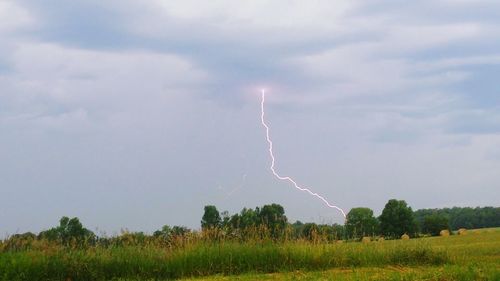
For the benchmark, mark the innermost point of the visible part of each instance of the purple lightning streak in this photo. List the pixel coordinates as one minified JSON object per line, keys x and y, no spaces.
{"x":289,"y":179}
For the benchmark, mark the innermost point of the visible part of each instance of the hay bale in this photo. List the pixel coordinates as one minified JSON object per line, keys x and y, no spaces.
{"x":462,"y":231}
{"x":366,"y":239}
{"x":444,"y":233}
{"x":405,"y":237}
{"x":340,"y":241}
{"x":381,"y":239}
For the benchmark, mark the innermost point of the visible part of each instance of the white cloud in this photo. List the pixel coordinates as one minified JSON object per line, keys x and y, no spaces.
{"x":261,"y":14}
{"x":54,"y":82}
{"x":13,"y":17}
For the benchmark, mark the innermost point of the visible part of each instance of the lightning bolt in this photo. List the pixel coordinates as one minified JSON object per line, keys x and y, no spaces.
{"x":286,"y":178}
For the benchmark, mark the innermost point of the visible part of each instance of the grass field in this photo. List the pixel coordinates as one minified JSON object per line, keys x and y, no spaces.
{"x":475,"y":256}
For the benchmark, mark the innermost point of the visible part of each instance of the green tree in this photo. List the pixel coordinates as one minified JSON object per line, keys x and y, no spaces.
{"x":165,"y":232}
{"x":69,"y":230}
{"x":297,"y":228}
{"x":211,"y":217}
{"x":338,"y":231}
{"x":361,"y":222}
{"x":397,"y":219}
{"x":273,"y":216}
{"x":464,"y":217}
{"x":180,"y":230}
{"x":225,"y":220}
{"x":433,"y":224}
{"x":309,"y":230}
{"x":245,"y":219}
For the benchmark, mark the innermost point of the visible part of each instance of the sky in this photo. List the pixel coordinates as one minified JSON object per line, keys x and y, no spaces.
{"x":136,"y":114}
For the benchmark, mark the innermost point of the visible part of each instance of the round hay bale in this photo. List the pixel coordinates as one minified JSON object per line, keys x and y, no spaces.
{"x":340,"y":241}
{"x":405,"y":237}
{"x":444,"y":233}
{"x":366,"y":239}
{"x":381,"y":239}
{"x":462,"y":231}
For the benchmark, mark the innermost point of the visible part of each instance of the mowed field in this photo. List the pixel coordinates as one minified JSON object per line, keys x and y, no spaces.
{"x":474,"y":256}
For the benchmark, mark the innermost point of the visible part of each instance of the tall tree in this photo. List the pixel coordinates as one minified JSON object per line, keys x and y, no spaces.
{"x":211,"y":217}
{"x":248,"y":218}
{"x":361,"y":222}
{"x":397,"y":219}
{"x":273,"y":216}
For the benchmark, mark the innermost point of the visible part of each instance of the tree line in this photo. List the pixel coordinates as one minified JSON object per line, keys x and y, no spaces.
{"x":459,"y":217}
{"x":397,"y":218}
{"x":270,"y":222}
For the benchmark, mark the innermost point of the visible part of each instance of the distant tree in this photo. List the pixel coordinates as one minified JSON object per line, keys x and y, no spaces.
{"x":338,"y":231}
{"x":18,"y":242}
{"x":180,"y":230}
{"x":433,"y":224}
{"x":273,"y":216}
{"x":225,"y":220}
{"x":248,"y":218}
{"x":397,"y":219}
{"x":464,"y":217}
{"x":211,"y":217}
{"x":51,"y":234}
{"x":361,"y":222}
{"x":69,"y":230}
{"x":420,"y":216}
{"x":245,"y":219}
{"x":297,"y":228}
{"x":165,"y":232}
{"x":235,"y":221}
{"x":310,"y":231}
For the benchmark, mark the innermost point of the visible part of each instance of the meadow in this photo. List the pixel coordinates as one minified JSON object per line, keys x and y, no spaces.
{"x":475,"y":256}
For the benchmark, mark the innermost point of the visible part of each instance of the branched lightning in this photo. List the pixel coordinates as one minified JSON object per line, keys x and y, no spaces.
{"x":286,"y":178}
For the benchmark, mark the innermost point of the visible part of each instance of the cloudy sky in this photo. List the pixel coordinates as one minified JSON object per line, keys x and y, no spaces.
{"x":133,"y":115}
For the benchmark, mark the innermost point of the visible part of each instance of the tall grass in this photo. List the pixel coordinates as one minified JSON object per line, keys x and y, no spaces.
{"x":203,"y":258}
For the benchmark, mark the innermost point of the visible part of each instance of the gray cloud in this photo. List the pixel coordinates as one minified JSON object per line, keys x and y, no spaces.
{"x":127,"y":114}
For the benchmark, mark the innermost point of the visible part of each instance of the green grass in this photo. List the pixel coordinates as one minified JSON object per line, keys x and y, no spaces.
{"x":434,"y":273}
{"x":475,"y":256}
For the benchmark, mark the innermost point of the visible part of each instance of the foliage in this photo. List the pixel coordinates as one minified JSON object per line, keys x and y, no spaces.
{"x":433,"y":224}
{"x":211,"y":217}
{"x":361,"y":222}
{"x":397,"y":219}
{"x":467,"y":217}
{"x":69,"y":231}
{"x":269,"y":217}
{"x":245,"y":219}
{"x":273,"y":217}
{"x":167,"y":232}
